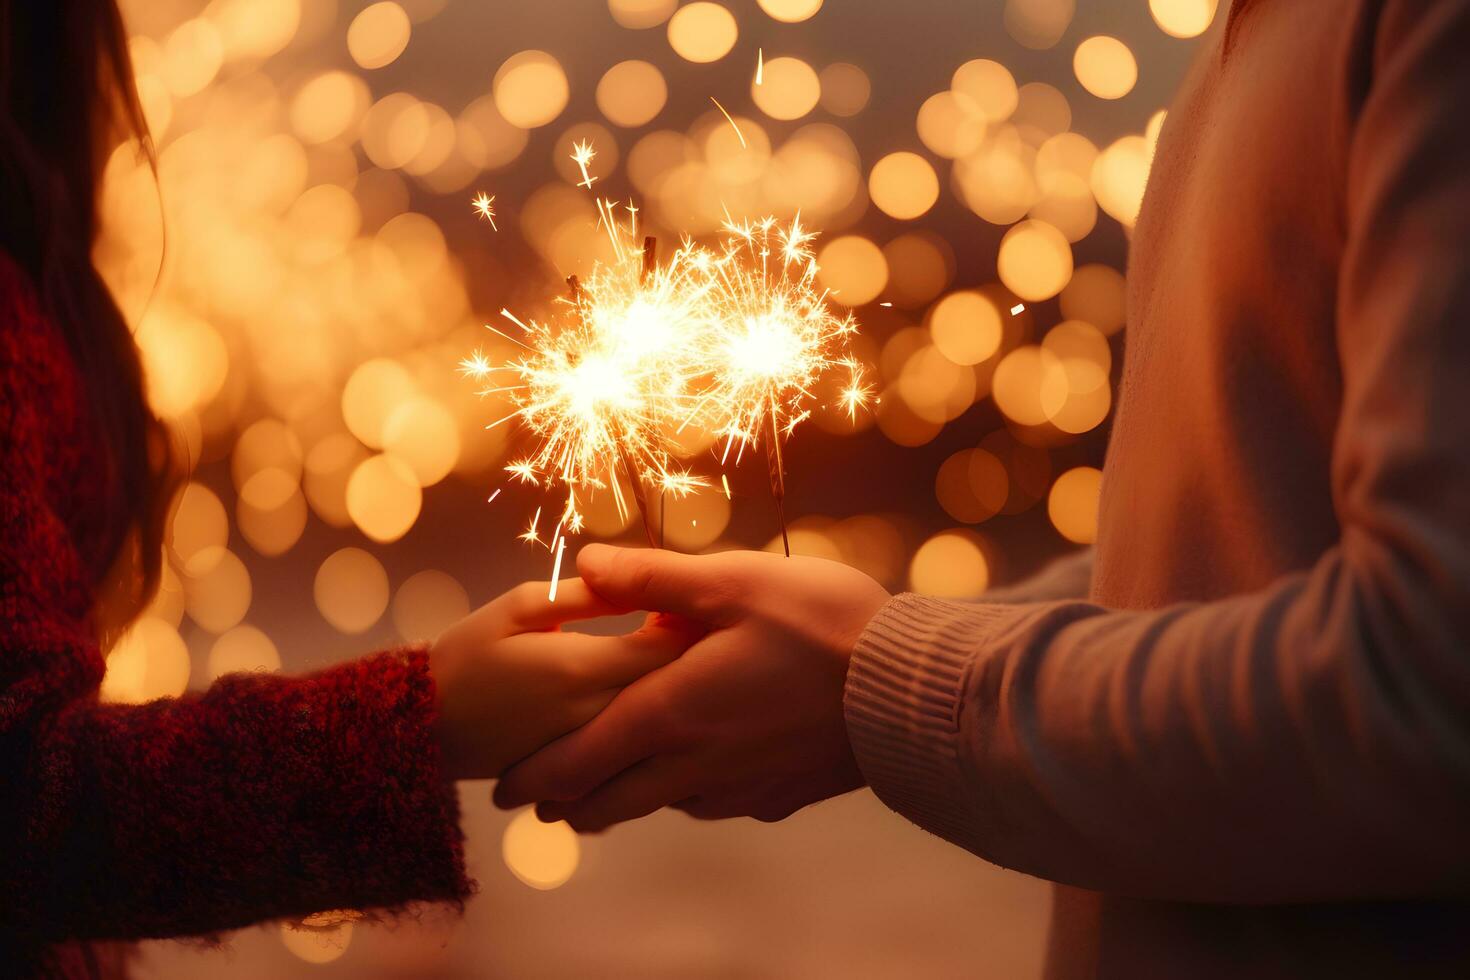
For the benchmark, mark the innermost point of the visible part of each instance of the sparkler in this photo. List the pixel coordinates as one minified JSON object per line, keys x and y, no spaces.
{"x":582,"y":154}
{"x":731,"y":340}
{"x":772,"y":335}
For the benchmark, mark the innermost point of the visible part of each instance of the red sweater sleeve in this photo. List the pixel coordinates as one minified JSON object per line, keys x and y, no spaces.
{"x":265,"y":796}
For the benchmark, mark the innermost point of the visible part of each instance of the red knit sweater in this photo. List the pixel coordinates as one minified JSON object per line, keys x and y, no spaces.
{"x":263,"y":797}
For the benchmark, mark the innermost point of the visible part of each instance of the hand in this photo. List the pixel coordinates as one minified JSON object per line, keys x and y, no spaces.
{"x":748,"y":722}
{"x":508,"y":680}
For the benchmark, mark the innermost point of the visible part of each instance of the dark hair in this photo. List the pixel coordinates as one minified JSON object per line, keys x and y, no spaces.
{"x":67,"y":97}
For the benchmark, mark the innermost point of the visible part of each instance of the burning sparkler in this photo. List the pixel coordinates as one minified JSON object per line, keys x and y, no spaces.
{"x":772,"y":335}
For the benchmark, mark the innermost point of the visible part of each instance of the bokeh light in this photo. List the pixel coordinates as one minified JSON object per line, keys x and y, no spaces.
{"x":951,"y":565}
{"x":351,"y":590}
{"x":903,"y":185}
{"x":542,"y":855}
{"x":1105,"y":67}
{"x":530,"y":89}
{"x":1183,"y":18}
{"x":702,"y":32}
{"x":378,"y":34}
{"x":631,"y":93}
{"x":1072,"y":504}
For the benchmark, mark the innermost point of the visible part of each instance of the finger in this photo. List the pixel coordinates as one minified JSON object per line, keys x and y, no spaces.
{"x":616,"y":661}
{"x":647,"y":787}
{"x":577,"y":763}
{"x":529,"y":607}
{"x":659,"y":581}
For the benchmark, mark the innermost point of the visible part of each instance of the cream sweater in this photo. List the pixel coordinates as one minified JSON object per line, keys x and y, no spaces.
{"x":1247,"y":751}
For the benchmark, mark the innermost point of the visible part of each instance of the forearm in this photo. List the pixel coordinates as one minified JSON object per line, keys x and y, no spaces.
{"x":263,"y":797}
{"x":1299,"y":744}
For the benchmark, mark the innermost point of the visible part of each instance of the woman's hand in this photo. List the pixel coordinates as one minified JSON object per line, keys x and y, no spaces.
{"x":508,"y":680}
{"x":748,"y":722}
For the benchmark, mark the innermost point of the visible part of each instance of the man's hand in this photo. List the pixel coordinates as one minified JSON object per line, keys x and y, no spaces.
{"x":748,"y":722}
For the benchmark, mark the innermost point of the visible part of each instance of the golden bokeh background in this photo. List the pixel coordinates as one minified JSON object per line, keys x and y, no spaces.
{"x":975,"y":170}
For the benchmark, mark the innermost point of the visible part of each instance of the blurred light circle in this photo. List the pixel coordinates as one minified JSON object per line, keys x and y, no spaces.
{"x":989,"y":86}
{"x":351,"y":590}
{"x":934,"y":387}
{"x":199,"y":522}
{"x":424,"y":434}
{"x":1038,"y":24}
{"x":255,"y":28}
{"x":640,"y":14}
{"x":702,"y":32}
{"x":373,"y":392}
{"x":1041,"y":113}
{"x":950,"y":565}
{"x":966,"y":327}
{"x":530,"y":89}
{"x":1072,"y":504}
{"x":316,"y":945}
{"x":168,"y":602}
{"x":437,"y":146}
{"x":1035,"y":260}
{"x":853,"y":268}
{"x":1183,"y":18}
{"x":1154,"y":129}
{"x":631,"y":93}
{"x":1072,"y":411}
{"x":952,"y":489}
{"x":1120,"y":176}
{"x":486,"y":138}
{"x":193,"y":55}
{"x":216,"y":589}
{"x":184,"y":358}
{"x":1067,"y":205}
{"x":542,"y":855}
{"x":384,"y":498}
{"x":789,"y":89}
{"x":997,"y":182}
{"x":903,"y":185}
{"x":920,"y":265}
{"x":148,"y":662}
{"x":329,"y":465}
{"x":809,"y":538}
{"x":790,"y":11}
{"x":427,"y":604}
{"x":243,"y":648}
{"x":378,"y":35}
{"x":1105,"y":67}
{"x":1083,"y":351}
{"x":697,"y":521}
{"x":1097,"y":294}
{"x":271,"y":511}
{"x":951,"y":124}
{"x":901,"y":424}
{"x":1019,"y":383}
{"x":845,"y":89}
{"x":394,"y":129}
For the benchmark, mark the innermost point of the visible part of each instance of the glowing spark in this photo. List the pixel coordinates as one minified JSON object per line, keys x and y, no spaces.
{"x":1018,"y":309}
{"x":760,"y":65}
{"x":494,"y":495}
{"x":532,"y":536}
{"x":733,"y":124}
{"x":561,"y":547}
{"x":484,"y":206}
{"x":582,"y":154}
{"x":725,"y":480}
{"x":887,"y":305}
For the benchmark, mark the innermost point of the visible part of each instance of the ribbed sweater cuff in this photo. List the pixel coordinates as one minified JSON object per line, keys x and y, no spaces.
{"x":905,"y":697}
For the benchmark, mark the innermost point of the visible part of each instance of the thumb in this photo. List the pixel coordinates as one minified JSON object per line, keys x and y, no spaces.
{"x":692,"y":586}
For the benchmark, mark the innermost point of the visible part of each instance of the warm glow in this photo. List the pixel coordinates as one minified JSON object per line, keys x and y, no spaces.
{"x":631,"y":93}
{"x":1035,"y":260}
{"x":789,"y":90}
{"x":702,"y":32}
{"x":542,"y":855}
{"x":530,"y":89}
{"x":351,"y":590}
{"x":378,"y":35}
{"x":1072,"y":504}
{"x":1105,"y":67}
{"x":966,"y":327}
{"x":1183,"y":18}
{"x":950,"y":565}
{"x":903,"y":185}
{"x":791,"y":11}
{"x":853,"y":268}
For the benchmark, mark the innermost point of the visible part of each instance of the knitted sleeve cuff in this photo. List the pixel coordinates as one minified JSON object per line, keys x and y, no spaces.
{"x":905,"y":704}
{"x":264,"y":797}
